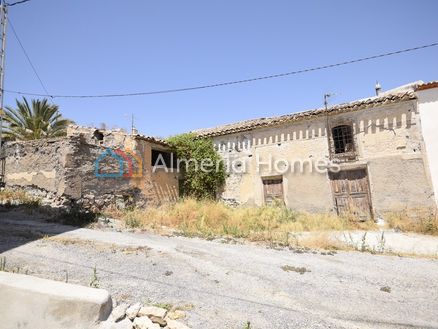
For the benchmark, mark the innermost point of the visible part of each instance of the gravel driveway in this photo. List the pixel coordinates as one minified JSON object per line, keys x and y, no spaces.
{"x":225,"y":285}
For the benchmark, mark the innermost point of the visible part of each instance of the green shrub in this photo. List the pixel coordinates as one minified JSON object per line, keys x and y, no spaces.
{"x":192,"y":152}
{"x":132,"y":222}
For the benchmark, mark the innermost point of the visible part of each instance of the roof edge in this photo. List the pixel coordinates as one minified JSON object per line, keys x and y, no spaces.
{"x":151,"y":139}
{"x":248,"y":125}
{"x":428,"y":85}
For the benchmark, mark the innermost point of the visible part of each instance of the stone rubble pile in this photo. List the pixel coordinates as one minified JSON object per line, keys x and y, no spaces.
{"x":137,"y":316}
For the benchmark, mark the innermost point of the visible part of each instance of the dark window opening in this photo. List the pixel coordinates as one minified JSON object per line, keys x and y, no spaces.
{"x":162,"y":158}
{"x":343,"y":139}
{"x":98,"y":135}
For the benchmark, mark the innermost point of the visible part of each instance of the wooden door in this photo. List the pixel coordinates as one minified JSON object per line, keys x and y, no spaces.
{"x":352,"y":193}
{"x":273,"y":190}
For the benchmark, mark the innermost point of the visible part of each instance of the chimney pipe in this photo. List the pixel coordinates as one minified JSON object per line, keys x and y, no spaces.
{"x":378,"y":88}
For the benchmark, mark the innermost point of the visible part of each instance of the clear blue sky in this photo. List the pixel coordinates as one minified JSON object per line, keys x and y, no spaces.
{"x":108,"y":46}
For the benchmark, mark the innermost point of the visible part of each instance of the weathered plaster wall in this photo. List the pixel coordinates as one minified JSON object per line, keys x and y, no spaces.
{"x":299,"y":141}
{"x":37,"y":163}
{"x":398,"y":183}
{"x":389,"y":144}
{"x":158,"y":186}
{"x":428,"y":108}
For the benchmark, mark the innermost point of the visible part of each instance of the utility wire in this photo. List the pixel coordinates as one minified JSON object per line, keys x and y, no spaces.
{"x":16,"y":3}
{"x":27,"y":56}
{"x":220,"y":84}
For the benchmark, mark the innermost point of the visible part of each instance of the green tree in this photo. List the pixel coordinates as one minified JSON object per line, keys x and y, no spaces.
{"x":198,"y":181}
{"x":37,"y":120}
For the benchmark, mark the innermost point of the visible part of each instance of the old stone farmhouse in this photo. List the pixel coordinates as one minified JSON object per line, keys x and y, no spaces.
{"x":384,"y":150}
{"x":79,"y":170}
{"x":384,"y":146}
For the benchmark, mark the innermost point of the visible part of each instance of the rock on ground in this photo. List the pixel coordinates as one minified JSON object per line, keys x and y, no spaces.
{"x":119,"y":312}
{"x":152,"y":311}
{"x":133,"y":310}
{"x":158,"y":320}
{"x":172,"y":324}
{"x":145,"y":323}
{"x":175,"y":315}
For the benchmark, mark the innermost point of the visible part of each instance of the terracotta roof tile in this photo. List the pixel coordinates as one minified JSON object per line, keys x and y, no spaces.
{"x":273,"y":121}
{"x":428,"y":85}
{"x":152,"y":139}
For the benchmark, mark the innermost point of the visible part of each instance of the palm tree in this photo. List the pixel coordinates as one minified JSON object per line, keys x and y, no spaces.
{"x":36,"y":121}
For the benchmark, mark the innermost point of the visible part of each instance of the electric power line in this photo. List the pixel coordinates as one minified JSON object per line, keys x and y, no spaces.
{"x":16,"y":3}
{"x":221,"y":84}
{"x":27,"y":56}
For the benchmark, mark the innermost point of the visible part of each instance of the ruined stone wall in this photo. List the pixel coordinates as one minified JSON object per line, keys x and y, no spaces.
{"x":63,"y":171}
{"x":389,"y":145}
{"x":94,"y":136}
{"x":91,"y":191}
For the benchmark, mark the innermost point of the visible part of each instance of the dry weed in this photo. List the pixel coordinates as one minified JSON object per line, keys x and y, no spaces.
{"x":423,"y":221}
{"x":211,"y":219}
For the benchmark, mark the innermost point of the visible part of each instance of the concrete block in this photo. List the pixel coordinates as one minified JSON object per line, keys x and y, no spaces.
{"x":31,"y":302}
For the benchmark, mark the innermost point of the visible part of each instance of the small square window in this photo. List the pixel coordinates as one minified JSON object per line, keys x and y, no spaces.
{"x":343,"y":139}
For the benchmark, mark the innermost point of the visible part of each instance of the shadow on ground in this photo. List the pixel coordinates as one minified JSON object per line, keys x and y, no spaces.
{"x":49,"y":221}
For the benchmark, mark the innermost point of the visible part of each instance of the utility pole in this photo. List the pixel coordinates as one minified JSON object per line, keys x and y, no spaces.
{"x":3,"y":22}
{"x":328,"y":132}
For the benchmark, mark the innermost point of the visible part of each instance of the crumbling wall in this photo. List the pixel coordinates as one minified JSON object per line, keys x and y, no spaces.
{"x":85,"y":188}
{"x":95,"y":136}
{"x":63,"y":171}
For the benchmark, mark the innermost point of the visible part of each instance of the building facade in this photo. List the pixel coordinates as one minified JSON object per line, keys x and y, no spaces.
{"x":368,"y":157}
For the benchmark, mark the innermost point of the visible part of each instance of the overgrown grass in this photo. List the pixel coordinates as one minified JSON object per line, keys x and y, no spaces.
{"x":211,"y":219}
{"x":11,"y":198}
{"x":319,"y":241}
{"x":421,"y":221}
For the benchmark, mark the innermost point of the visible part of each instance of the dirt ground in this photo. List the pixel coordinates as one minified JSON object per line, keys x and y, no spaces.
{"x":225,"y":285}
